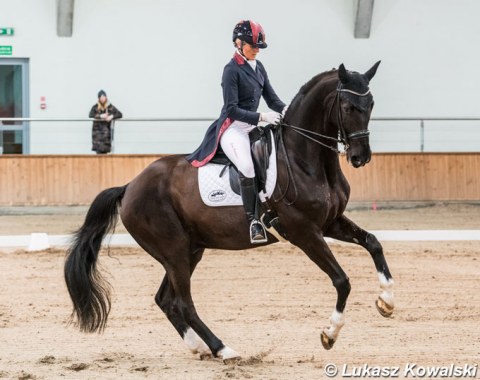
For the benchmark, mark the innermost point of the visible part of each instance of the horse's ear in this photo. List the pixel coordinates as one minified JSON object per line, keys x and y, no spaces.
{"x":342,"y":73}
{"x":371,"y":72}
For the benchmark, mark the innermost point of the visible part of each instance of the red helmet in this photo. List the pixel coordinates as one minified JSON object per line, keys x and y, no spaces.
{"x":250,"y":32}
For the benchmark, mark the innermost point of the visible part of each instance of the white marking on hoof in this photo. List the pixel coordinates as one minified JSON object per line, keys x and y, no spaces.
{"x":227,"y":354}
{"x":337,"y":321}
{"x":195,"y":343}
{"x":387,"y":290}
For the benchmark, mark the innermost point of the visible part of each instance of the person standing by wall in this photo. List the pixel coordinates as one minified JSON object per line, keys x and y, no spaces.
{"x":104,"y":112}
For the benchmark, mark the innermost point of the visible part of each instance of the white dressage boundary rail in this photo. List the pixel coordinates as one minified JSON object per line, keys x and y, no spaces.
{"x":40,"y":241}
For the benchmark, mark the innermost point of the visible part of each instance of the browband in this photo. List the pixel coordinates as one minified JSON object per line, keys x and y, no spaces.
{"x":353,"y":92}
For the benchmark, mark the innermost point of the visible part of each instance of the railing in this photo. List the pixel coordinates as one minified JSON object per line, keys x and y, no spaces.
{"x":470,"y":134}
{"x":182,"y":135}
{"x":176,"y":135}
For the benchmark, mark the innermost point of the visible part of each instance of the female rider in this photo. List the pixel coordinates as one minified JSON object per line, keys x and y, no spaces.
{"x":244,"y":82}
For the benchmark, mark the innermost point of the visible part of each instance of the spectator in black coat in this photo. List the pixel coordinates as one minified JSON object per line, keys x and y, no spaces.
{"x":104,"y":112}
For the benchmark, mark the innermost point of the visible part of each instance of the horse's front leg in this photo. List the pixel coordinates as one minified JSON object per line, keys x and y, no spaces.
{"x":345,"y":230}
{"x":318,"y":251}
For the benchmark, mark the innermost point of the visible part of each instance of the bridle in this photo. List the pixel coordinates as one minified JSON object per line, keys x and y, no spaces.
{"x":344,"y":138}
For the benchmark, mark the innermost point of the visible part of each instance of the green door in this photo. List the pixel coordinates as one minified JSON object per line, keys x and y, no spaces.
{"x":13,"y":103}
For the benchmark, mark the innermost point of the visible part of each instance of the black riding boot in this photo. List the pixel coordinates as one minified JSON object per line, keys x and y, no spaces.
{"x":249,"y":198}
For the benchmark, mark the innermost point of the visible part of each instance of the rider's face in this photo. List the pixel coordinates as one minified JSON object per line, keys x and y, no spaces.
{"x":249,"y":51}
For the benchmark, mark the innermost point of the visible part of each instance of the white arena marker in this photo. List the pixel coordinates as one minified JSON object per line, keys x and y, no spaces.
{"x":38,"y":242}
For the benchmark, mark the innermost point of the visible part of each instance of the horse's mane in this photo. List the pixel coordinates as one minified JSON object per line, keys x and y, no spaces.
{"x":308,"y":87}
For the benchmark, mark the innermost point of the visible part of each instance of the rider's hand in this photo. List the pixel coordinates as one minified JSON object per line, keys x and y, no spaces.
{"x":270,"y":117}
{"x":284,"y":111}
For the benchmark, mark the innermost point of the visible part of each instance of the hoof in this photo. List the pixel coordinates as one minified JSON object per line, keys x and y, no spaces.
{"x":228,"y":355}
{"x":232,"y":361}
{"x":206,"y":356}
{"x":203,"y":351}
{"x":327,"y":342}
{"x":383,"y":308}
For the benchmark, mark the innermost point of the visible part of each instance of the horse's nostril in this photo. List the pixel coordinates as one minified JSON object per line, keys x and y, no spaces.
{"x":357,"y":162}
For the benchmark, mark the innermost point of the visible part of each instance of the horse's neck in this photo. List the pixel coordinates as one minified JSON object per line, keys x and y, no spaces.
{"x":313,"y":114}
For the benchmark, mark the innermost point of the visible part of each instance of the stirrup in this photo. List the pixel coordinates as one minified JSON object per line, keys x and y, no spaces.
{"x":260,"y":236}
{"x":272,"y":224}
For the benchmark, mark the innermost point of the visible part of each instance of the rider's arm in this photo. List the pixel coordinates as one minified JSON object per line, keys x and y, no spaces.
{"x":269,"y":94}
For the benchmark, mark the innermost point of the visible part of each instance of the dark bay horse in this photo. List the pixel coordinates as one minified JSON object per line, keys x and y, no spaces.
{"x":162,"y":209}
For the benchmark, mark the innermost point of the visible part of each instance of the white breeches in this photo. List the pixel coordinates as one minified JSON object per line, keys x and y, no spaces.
{"x":235,"y":144}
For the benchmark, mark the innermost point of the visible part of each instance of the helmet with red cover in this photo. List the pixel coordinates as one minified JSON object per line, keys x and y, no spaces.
{"x":250,"y":32}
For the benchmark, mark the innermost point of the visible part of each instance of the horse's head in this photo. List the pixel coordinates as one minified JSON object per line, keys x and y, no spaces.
{"x":355,"y":106}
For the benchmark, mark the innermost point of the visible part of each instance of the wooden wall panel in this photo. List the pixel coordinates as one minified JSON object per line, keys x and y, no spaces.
{"x":416,"y":177}
{"x":64,"y":180}
{"x":70,"y":180}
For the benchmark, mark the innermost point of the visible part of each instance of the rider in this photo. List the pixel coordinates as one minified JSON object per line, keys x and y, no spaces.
{"x":244,"y":82}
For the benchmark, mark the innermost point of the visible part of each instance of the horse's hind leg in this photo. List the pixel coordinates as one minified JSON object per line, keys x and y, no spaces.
{"x":180,"y":308}
{"x":345,"y":230}
{"x":164,"y":299}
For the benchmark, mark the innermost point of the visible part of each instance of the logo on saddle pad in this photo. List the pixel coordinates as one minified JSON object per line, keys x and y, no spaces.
{"x":217,"y":195}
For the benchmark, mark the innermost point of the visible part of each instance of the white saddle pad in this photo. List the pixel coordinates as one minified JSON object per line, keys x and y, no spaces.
{"x":216,"y":191}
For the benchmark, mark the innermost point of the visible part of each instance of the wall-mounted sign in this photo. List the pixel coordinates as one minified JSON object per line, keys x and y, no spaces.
{"x":6,"y":50}
{"x":6,"y":31}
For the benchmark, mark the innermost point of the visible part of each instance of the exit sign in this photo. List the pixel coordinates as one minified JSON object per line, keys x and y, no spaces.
{"x":6,"y":50}
{"x":6,"y":32}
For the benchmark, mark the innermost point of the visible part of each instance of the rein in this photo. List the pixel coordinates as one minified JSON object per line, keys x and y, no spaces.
{"x":344,"y":139}
{"x":304,"y":132}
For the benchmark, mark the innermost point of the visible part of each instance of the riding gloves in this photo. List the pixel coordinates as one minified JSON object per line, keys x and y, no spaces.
{"x":270,"y":117}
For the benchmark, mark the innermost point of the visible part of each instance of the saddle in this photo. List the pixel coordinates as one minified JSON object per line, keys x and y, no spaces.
{"x":261,"y":149}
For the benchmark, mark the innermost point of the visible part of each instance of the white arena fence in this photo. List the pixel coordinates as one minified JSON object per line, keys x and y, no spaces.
{"x":41,"y":241}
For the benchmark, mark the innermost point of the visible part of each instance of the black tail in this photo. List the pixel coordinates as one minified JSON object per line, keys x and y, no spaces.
{"x":89,"y":291}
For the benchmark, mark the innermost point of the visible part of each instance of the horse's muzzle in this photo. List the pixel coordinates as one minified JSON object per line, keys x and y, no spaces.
{"x":358,"y":159}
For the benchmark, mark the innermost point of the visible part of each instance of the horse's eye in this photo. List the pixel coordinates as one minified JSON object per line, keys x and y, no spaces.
{"x":347,"y":108}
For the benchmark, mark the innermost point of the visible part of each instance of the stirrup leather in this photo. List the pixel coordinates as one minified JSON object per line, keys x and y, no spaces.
{"x":258,"y":234}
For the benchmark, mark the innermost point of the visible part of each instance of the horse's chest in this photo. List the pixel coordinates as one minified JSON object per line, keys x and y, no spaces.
{"x":326,"y":202}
